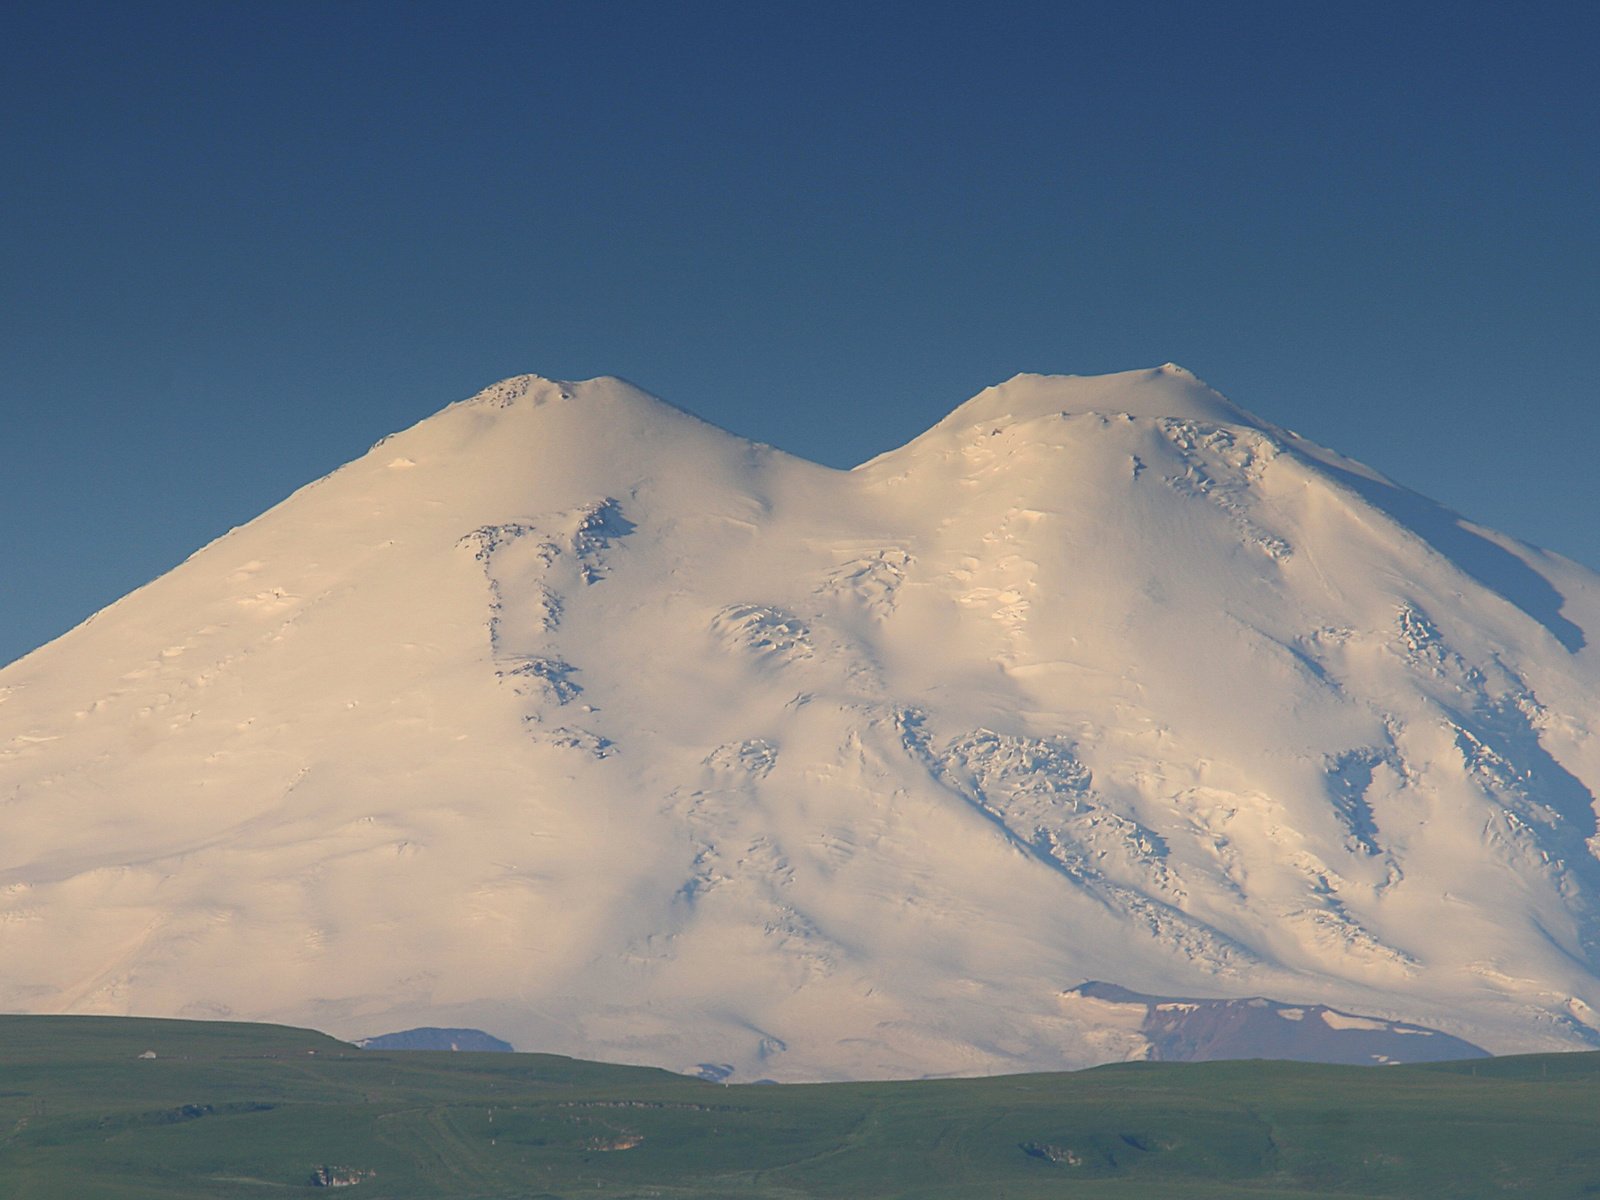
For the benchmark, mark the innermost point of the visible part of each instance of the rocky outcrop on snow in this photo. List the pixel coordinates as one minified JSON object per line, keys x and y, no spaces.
{"x":1186,"y":1029}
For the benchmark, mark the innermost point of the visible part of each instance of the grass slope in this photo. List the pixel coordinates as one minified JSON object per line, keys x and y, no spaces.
{"x":230,"y":1110}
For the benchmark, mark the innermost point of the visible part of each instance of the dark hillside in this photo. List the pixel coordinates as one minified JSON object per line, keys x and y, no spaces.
{"x":228,"y":1110}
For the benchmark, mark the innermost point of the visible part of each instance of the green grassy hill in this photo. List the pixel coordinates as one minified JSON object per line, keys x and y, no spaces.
{"x":229,"y":1110}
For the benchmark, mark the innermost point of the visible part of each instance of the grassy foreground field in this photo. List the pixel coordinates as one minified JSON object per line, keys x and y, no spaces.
{"x":228,"y":1110}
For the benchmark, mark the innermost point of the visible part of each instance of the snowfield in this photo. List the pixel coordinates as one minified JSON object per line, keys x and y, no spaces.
{"x":567,"y":716}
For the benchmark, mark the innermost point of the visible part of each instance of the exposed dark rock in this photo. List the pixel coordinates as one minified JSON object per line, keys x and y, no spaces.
{"x":1183,"y":1029}
{"x":326,"y":1176}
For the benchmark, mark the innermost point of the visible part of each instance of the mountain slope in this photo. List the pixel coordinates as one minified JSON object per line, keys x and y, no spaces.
{"x":568,"y":716}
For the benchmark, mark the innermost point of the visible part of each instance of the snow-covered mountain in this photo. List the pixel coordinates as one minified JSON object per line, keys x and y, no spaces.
{"x":568,"y":716}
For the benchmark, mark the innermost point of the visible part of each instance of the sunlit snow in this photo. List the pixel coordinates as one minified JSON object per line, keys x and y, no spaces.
{"x":567,"y":716}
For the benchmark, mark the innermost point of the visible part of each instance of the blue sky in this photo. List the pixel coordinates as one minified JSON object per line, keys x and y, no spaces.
{"x":241,"y":242}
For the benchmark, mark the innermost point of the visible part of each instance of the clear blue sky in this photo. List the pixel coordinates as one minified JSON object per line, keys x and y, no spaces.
{"x":242,"y":241}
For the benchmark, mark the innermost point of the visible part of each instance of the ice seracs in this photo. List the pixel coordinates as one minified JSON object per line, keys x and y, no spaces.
{"x":568,"y":716}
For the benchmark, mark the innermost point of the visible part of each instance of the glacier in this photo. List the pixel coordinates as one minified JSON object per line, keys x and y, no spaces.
{"x":569,"y":716}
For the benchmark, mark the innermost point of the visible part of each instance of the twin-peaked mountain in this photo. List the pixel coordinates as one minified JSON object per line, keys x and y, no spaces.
{"x":568,"y":716}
